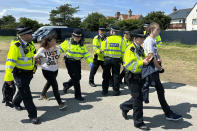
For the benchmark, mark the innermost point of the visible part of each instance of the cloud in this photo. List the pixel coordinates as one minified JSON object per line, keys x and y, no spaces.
{"x":28,"y":10}
{"x":3,"y":12}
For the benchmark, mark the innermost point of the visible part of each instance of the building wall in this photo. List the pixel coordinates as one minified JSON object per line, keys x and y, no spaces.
{"x":191,"y":20}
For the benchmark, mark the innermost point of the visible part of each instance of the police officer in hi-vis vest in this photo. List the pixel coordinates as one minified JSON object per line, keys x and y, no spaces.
{"x":113,"y":48}
{"x":74,"y":50}
{"x":20,"y":66}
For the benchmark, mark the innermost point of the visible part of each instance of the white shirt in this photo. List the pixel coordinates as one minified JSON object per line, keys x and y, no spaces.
{"x":150,"y":46}
{"x":48,"y":58}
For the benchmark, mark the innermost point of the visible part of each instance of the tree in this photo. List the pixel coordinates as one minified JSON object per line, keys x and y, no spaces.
{"x":130,"y":24}
{"x":91,"y":22}
{"x":63,"y":15}
{"x":75,"y":22}
{"x":29,"y":23}
{"x":159,"y":17}
{"x":8,"y":22}
{"x":108,"y":21}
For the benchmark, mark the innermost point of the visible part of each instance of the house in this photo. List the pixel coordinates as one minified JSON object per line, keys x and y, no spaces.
{"x":184,"y":19}
{"x":126,"y":16}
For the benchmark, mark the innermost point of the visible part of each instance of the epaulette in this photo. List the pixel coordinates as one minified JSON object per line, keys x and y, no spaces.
{"x":132,"y":49}
{"x":17,"y":44}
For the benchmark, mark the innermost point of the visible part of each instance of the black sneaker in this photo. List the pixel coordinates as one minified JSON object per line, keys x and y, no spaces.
{"x":92,"y":84}
{"x":173,"y":117}
{"x":35,"y":121}
{"x":62,"y":106}
{"x":124,"y":113}
{"x":142,"y":126}
{"x":79,"y":98}
{"x":9,"y":104}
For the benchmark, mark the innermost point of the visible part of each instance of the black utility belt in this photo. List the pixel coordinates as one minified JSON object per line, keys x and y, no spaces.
{"x":21,"y":71}
{"x":107,"y":57}
{"x":132,"y":75}
{"x":70,"y":59}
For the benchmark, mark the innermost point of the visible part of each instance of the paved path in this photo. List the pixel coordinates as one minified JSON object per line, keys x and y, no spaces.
{"x":99,"y":113}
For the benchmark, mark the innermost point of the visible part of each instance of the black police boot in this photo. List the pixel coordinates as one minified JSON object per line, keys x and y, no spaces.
{"x":35,"y":121}
{"x":79,"y":98}
{"x":104,"y":93}
{"x":18,"y":108}
{"x":66,"y":87}
{"x":92,"y":84}
{"x":9,"y":104}
{"x":124,"y":113}
{"x":142,"y":126}
{"x":116,"y":93}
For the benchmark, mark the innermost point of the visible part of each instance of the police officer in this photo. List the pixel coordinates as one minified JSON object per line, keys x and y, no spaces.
{"x":21,"y":65}
{"x":74,"y":50}
{"x":98,"y":54}
{"x":127,"y":38}
{"x":133,"y":62}
{"x":113,"y":49}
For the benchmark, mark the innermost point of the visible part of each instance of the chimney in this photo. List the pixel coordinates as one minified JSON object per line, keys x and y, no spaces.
{"x":117,"y":15}
{"x":130,"y":13}
{"x":174,"y":9}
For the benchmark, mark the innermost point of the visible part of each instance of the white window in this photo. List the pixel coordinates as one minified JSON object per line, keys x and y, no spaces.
{"x":194,"y":21}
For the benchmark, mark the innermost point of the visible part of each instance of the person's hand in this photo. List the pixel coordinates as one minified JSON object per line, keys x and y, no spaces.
{"x":145,"y":62}
{"x":91,"y":65}
{"x":9,"y":82}
{"x":101,"y":51}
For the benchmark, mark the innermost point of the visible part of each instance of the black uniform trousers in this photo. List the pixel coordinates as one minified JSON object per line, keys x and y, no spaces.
{"x":136,"y":102}
{"x":96,"y":64}
{"x":23,"y":80}
{"x":114,"y":64}
{"x":50,"y":76}
{"x":74,"y":71}
{"x":136,"y":92}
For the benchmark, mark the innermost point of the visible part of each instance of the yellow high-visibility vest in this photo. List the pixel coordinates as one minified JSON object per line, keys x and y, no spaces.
{"x":75,"y":51}
{"x":132,"y":61}
{"x":114,"y":46}
{"x":17,"y":58}
{"x":97,"y":48}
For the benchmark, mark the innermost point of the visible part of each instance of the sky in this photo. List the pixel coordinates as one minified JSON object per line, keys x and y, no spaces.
{"x":39,"y":9}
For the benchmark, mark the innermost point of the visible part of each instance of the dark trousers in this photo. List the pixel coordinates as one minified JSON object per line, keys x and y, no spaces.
{"x":161,"y":96}
{"x":96,"y":64}
{"x":136,"y":102}
{"x":24,"y":94}
{"x":74,"y":71}
{"x":122,"y":75}
{"x":114,"y":64}
{"x":50,"y":76}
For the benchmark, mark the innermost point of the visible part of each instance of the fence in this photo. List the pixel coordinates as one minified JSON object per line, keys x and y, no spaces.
{"x":185,"y":37}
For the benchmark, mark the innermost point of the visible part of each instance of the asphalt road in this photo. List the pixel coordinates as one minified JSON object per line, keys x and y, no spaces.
{"x":99,"y":113}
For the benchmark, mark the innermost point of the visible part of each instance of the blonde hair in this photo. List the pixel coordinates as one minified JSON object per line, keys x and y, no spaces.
{"x":152,"y":26}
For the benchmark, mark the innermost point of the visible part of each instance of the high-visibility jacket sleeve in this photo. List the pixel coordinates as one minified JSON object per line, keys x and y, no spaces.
{"x":87,"y":56}
{"x":96,"y":46}
{"x":131,"y":62}
{"x":124,"y":46}
{"x":63,"y":47}
{"x":159,"y":41}
{"x":103,"y":45}
{"x":11,"y":62}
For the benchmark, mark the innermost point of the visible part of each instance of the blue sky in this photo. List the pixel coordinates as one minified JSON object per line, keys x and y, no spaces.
{"x":39,"y":9}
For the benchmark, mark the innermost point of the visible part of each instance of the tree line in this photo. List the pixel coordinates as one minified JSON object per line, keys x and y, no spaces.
{"x":64,"y":16}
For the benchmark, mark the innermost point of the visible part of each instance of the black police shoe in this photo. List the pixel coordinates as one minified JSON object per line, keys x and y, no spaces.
{"x":19,"y":108}
{"x":3,"y":101}
{"x":35,"y":121}
{"x":142,"y":126}
{"x":9,"y":104}
{"x":92,"y":84}
{"x":116,"y":93}
{"x":124,"y":113}
{"x":104,"y":93}
{"x":173,"y":117}
{"x":79,"y":98}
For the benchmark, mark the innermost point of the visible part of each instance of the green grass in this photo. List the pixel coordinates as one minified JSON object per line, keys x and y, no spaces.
{"x":178,"y":44}
{"x":6,"y":38}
